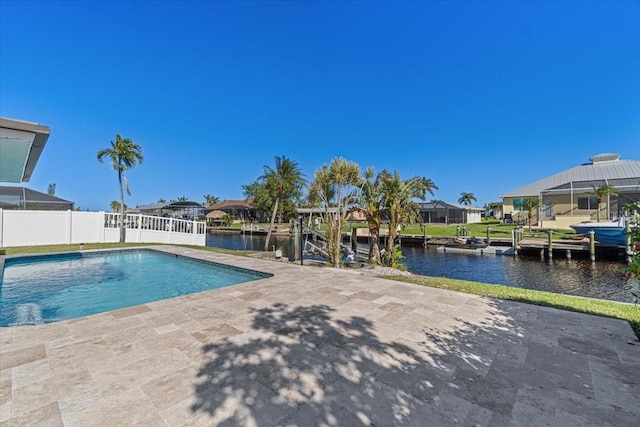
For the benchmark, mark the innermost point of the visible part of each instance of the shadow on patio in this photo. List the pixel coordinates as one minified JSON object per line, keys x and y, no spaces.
{"x":305,"y":365}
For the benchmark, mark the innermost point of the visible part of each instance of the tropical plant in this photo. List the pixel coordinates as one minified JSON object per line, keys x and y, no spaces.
{"x":161,"y":200}
{"x":115,"y":205}
{"x":371,"y":204}
{"x":182,"y":199}
{"x":210,"y":200}
{"x":602,"y":192}
{"x":51,"y":190}
{"x":398,"y":196}
{"x":530,"y":205}
{"x":467,"y":198}
{"x":632,"y":212}
{"x":124,"y":154}
{"x":283,"y":184}
{"x":335,"y":189}
{"x":227,"y":220}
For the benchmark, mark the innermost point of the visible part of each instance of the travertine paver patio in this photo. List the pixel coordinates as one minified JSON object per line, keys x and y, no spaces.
{"x":318,"y":346}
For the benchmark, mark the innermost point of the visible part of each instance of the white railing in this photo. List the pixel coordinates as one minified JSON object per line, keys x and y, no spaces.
{"x":33,"y":228}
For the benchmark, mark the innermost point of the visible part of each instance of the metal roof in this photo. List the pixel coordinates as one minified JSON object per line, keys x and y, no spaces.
{"x":445,"y":205}
{"x":598,"y":171}
{"x":21,"y":144}
{"x":18,"y":195}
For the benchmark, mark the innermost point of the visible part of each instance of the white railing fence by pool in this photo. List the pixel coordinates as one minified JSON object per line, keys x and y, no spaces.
{"x":33,"y":228}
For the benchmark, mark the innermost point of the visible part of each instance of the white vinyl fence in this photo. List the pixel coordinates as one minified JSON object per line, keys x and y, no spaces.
{"x":33,"y":228}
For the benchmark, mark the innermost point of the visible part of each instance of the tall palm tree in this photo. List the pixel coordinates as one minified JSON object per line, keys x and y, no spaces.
{"x":467,"y":198}
{"x":398,"y":200}
{"x":124,"y":154}
{"x":283,"y":182}
{"x":115,"y":206}
{"x":182,"y":199}
{"x":161,"y":200}
{"x":601,"y":192}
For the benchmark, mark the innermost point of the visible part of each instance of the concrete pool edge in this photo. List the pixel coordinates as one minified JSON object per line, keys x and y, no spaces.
{"x":17,"y":260}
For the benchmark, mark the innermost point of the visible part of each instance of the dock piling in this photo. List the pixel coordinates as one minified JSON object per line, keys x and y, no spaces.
{"x":550,"y":243}
{"x":592,"y":245}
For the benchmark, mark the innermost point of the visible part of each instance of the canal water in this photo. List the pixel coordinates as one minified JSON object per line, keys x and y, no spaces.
{"x":603,"y":280}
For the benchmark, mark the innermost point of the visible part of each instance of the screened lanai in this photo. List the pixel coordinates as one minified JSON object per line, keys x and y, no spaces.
{"x":27,"y":199}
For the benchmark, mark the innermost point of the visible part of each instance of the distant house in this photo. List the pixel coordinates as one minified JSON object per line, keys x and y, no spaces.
{"x":240,"y":210}
{"x":567,"y":197}
{"x":450,"y":213}
{"x":180,"y":210}
{"x":27,"y":199}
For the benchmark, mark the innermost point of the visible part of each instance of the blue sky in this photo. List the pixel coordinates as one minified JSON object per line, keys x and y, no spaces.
{"x":479,"y":96}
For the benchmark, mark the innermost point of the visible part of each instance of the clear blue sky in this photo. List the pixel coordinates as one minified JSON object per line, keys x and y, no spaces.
{"x":479,"y":96}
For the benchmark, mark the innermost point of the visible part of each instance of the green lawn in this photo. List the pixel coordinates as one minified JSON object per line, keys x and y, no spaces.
{"x":627,"y":312}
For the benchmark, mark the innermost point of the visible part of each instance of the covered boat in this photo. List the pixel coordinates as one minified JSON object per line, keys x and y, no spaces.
{"x":606,"y":233}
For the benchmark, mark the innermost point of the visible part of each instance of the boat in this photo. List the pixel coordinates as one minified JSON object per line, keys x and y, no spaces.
{"x":606,"y":233}
{"x":467,"y":243}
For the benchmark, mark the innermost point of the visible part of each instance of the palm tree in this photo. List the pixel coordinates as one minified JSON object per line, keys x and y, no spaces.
{"x":371,"y":204}
{"x":398,"y":200}
{"x":467,"y":198}
{"x":183,"y":199}
{"x":124,"y":154}
{"x":530,"y":205}
{"x":115,"y":206}
{"x":601,"y":192}
{"x":210,"y":200}
{"x":283,"y":182}
{"x":161,"y":200}
{"x":335,"y":188}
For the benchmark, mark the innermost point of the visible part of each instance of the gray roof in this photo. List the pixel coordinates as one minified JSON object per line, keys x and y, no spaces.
{"x":599,"y":171}
{"x":445,"y":205}
{"x":26,"y":194}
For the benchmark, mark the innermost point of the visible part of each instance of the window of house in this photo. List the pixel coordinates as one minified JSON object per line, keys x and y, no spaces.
{"x":589,"y":202}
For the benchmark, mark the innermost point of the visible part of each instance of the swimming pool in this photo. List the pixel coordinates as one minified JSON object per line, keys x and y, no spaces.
{"x":48,"y":288}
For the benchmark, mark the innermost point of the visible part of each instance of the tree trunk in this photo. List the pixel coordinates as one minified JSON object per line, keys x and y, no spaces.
{"x":374,"y":246}
{"x":273,"y":220}
{"x":122,"y":228}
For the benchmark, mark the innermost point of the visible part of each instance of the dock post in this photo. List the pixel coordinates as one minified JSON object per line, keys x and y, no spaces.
{"x":424,"y":236}
{"x":550,"y":242}
{"x":592,"y":245}
{"x":488,"y":236}
{"x":568,"y":253}
{"x":457,"y":230}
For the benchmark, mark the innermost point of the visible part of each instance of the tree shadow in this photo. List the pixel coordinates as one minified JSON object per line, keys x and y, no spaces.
{"x":307,"y":365}
{"x":487,"y":363}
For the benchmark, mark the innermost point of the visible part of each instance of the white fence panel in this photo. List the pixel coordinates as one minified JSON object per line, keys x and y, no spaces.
{"x":32,"y":228}
{"x":86,"y":227}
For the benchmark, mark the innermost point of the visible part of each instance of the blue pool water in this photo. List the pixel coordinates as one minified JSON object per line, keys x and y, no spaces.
{"x":49,"y":288}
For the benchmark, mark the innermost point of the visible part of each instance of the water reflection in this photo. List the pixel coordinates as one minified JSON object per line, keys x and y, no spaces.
{"x":603,"y":280}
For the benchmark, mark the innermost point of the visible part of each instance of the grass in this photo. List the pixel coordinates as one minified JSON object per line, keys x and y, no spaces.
{"x":616,"y":310}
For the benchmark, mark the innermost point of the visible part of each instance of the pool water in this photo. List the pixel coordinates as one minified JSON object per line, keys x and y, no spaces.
{"x":50,"y":288}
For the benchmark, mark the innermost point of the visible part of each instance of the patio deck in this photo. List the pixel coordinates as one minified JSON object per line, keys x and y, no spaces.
{"x":318,"y":346}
